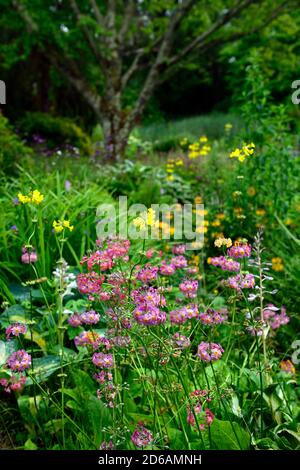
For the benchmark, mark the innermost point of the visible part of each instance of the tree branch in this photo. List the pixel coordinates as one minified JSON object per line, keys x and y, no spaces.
{"x":133,"y":67}
{"x":97,"y":13}
{"x":161,"y":57}
{"x":221,"y":21}
{"x":234,"y":36}
{"x":31,"y":25}
{"x":128,"y":14}
{"x":110,"y":18}
{"x":70,"y":71}
{"x":85,"y":30}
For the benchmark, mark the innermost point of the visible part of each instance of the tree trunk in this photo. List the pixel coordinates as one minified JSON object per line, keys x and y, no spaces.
{"x":115,"y":137}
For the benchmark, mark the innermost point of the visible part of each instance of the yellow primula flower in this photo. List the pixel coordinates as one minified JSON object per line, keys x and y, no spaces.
{"x":34,"y":197}
{"x":216,"y":223}
{"x":219,"y":242}
{"x":203,"y":139}
{"x":37,"y":197}
{"x":201,"y":229}
{"x":260,"y":212}
{"x":66,"y":224}
{"x":145,"y":219}
{"x":277,"y":264}
{"x":251,"y":191}
{"x":150,"y":217}
{"x":60,"y":225}
{"x":241,"y":154}
{"x":23,"y":199}
{"x":235,"y":154}
{"x":184,"y":142}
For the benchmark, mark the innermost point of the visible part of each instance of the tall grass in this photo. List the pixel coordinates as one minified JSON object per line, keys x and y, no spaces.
{"x":211,"y":125}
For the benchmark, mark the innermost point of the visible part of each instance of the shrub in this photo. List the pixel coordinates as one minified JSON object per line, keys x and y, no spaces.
{"x":11,"y":146}
{"x":57,"y":131}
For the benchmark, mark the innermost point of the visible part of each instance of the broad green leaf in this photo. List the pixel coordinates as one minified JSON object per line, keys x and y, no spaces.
{"x":176,"y":437}
{"x":44,"y":367}
{"x":29,"y":445}
{"x":20,"y":292}
{"x":13,"y":314}
{"x":227,"y":435}
{"x":6,"y":349}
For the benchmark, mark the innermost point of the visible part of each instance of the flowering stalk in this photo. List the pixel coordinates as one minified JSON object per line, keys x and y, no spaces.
{"x":61,"y":330}
{"x":258,"y":250}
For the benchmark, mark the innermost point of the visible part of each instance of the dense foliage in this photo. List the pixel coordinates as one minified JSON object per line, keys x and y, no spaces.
{"x":123,"y":345}
{"x":150,"y":340}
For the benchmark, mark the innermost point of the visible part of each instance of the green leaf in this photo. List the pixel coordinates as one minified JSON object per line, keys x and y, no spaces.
{"x":267,"y":443}
{"x":6,"y":349}
{"x":20,"y":292}
{"x":177,"y":441}
{"x":227,"y":435}
{"x":44,"y":367}
{"x":29,"y":445}
{"x":14,"y":314}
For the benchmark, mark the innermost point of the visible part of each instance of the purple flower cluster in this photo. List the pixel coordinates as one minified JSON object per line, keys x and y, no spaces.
{"x":149,"y":315}
{"x":141,"y":436}
{"x":197,"y":410}
{"x":13,"y":384}
{"x":212,"y":317}
{"x":88,"y":338}
{"x":208,"y":417}
{"x":274,"y":319}
{"x":189,"y":288}
{"x":15,"y":329}
{"x":179,"y":261}
{"x":209,"y":352}
{"x":107,"y":445}
{"x":90,"y":283}
{"x":240,"y":281}
{"x":111,"y":250}
{"x":183,"y":314}
{"x":115,"y":248}
{"x":19,"y":361}
{"x":181,"y":341}
{"x":167,"y":269}
{"x":120,"y":341}
{"x":86,"y":318}
{"x":104,"y":361}
{"x":75,"y":320}
{"x":226,"y":264}
{"x":148,"y":304}
{"x":103,"y":377}
{"x":147,"y":274}
{"x":178,"y":249}
{"x":240,"y":251}
{"x":90,"y":317}
{"x":148,"y":297}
